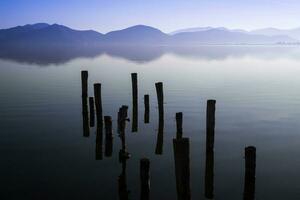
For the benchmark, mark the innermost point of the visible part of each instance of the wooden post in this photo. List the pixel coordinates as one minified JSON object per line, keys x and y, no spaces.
{"x":108,"y":136}
{"x":182,"y":168}
{"x":92,"y":111}
{"x":160,"y":99}
{"x":98,"y":102}
{"x":84,"y":84}
{"x":179,"y":125}
{"x":145,"y":178}
{"x":84,"y":95}
{"x":134,"y":102}
{"x":210,"y":135}
{"x":122,"y":118}
{"x":147,"y":109}
{"x":250,"y":165}
{"x":210,"y":123}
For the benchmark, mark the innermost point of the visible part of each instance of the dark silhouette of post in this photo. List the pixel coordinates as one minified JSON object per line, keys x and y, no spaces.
{"x":145,"y":178}
{"x":84,"y":96}
{"x":179,"y":125}
{"x":98,"y":103}
{"x":99,"y":142}
{"x":160,"y":99}
{"x":122,"y":118}
{"x":147,"y":109}
{"x":85,"y":118}
{"x":182,"y":168}
{"x":134,"y":102}
{"x":108,"y":136}
{"x":250,"y":165}
{"x":210,"y":137}
{"x":160,"y":134}
{"x":84,"y":84}
{"x":92,"y":111}
{"x":123,"y":154}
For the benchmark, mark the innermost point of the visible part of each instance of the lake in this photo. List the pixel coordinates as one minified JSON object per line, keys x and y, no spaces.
{"x":46,"y":156}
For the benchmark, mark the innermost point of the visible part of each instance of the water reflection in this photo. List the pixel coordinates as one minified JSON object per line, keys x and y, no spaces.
{"x":48,"y":55}
{"x":210,"y":140}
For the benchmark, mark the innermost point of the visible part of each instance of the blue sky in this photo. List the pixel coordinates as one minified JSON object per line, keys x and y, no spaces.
{"x":167,"y":15}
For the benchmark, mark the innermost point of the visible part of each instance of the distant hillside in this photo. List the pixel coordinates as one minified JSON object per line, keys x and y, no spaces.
{"x":44,"y":34}
{"x":223,"y":36}
{"x":140,"y":34}
{"x":294,"y":33}
{"x":41,"y":35}
{"x":198,"y":29}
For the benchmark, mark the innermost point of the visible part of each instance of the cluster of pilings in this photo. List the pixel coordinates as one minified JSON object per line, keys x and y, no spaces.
{"x":181,"y":145}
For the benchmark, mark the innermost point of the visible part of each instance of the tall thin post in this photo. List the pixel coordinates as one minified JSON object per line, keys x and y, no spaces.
{"x":98,"y":102}
{"x":179,"y":125}
{"x":134,"y":102}
{"x":84,"y":96}
{"x":145,"y":178}
{"x":250,"y":168}
{"x":210,"y":136}
{"x":147,"y":109}
{"x":160,"y":99}
{"x":84,"y":84}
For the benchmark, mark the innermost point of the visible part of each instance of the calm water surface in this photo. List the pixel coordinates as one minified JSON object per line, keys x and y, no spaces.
{"x":45,"y":156}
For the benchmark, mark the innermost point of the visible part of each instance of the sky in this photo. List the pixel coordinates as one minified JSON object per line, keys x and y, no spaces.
{"x":166,"y":15}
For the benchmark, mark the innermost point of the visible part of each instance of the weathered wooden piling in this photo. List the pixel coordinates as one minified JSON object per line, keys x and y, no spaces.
{"x":84,"y":84}
{"x":147,"y":109}
{"x":160,"y":98}
{"x":99,"y":142}
{"x":85,"y":118}
{"x":182,"y":168}
{"x":210,"y":123}
{"x":145,"y":178}
{"x":98,"y":102}
{"x":134,"y":102}
{"x":92,"y":111}
{"x":108,"y":136}
{"x":179,"y":117}
{"x":210,"y":135}
{"x":250,"y":168}
{"x":123,"y":154}
{"x":122,"y":118}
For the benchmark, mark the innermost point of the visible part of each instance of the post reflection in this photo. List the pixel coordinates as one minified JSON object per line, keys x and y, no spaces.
{"x":123,"y":154}
{"x":210,"y":137}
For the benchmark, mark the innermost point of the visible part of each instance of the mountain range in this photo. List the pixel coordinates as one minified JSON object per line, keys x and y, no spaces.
{"x":42,"y":34}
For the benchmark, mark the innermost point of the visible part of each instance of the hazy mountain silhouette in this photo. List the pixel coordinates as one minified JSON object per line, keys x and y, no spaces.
{"x":223,"y":36}
{"x":41,"y":35}
{"x":294,"y":33}
{"x":45,"y":34}
{"x":198,"y":29}
{"x":139,"y":35}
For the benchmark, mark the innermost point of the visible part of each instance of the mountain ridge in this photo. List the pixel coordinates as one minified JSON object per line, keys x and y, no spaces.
{"x":55,"y":34}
